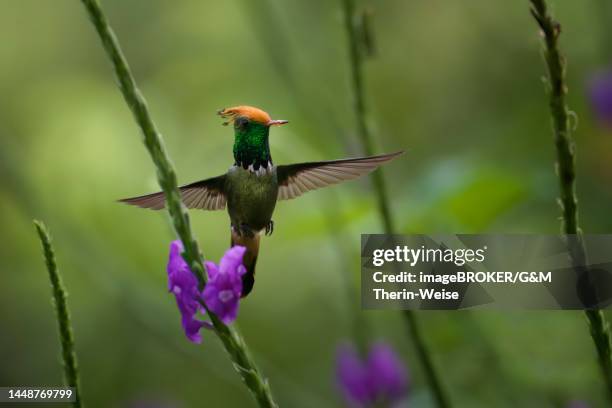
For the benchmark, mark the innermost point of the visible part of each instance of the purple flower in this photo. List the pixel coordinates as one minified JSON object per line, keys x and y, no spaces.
{"x":600,"y":96}
{"x":352,"y":376}
{"x":381,"y":378}
{"x":388,"y":375}
{"x":224,"y":287}
{"x":221,"y":294}
{"x":183,"y":283}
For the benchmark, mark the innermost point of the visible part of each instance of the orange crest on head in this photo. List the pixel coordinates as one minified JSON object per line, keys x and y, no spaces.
{"x":250,"y":112}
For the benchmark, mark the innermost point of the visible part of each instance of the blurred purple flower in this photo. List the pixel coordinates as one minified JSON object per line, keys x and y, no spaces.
{"x":184,"y":285}
{"x":381,"y":378}
{"x":389,"y":376}
{"x":352,"y":376}
{"x":600,"y":97}
{"x":224,"y":288}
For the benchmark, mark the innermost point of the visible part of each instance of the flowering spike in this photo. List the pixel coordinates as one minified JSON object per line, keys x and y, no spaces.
{"x":224,"y":288}
{"x":221,"y":294}
{"x":184,"y":285}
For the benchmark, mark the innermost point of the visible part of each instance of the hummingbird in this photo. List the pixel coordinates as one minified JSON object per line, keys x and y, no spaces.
{"x":253,"y":184}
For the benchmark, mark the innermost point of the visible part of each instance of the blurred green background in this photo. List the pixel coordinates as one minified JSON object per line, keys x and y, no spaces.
{"x":456,"y":84}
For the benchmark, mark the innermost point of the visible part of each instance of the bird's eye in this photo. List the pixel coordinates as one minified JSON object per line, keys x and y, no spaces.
{"x":241,"y":123}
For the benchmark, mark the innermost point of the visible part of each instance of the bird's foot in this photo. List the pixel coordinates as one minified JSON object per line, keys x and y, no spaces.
{"x":243,"y":230}
{"x":270,"y":228}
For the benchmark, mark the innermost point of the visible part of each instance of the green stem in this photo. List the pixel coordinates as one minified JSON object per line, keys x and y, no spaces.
{"x":566,"y":171}
{"x":363,"y":132}
{"x":423,"y":351}
{"x":71,"y":371}
{"x":166,"y":176}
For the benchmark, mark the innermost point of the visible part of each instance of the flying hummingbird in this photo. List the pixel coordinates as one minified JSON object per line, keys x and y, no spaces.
{"x":253,"y":185}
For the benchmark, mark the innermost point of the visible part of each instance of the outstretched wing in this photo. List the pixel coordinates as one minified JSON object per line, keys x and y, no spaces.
{"x":206,"y":194}
{"x":296,"y":179}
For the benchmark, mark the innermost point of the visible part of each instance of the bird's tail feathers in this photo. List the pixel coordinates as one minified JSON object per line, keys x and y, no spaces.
{"x":249,"y":260}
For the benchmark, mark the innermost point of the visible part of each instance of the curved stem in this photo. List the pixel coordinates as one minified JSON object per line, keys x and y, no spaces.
{"x":356,"y":49}
{"x":229,"y":336}
{"x":566,"y":171}
{"x":71,"y":371}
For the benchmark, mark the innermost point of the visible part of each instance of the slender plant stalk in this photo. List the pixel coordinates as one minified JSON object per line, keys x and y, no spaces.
{"x":166,"y":176}
{"x":356,"y":37}
{"x":71,"y":370}
{"x":422,"y":350}
{"x":363,"y":131}
{"x":599,"y":328}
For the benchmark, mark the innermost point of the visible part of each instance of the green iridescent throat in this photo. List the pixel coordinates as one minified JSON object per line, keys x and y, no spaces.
{"x":251,"y":145}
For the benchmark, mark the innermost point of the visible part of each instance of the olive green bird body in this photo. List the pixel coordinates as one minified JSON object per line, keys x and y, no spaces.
{"x":253,"y":184}
{"x":251,"y":198}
